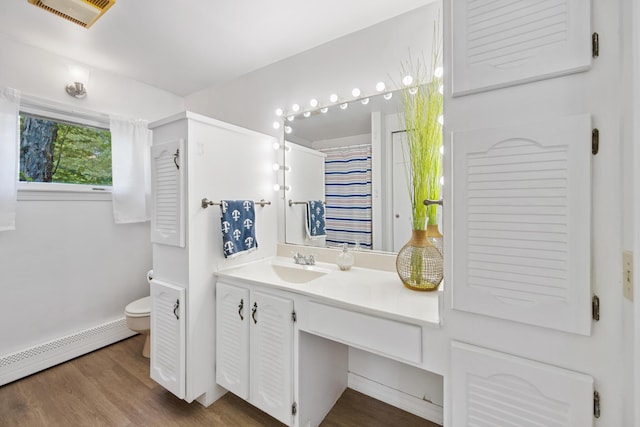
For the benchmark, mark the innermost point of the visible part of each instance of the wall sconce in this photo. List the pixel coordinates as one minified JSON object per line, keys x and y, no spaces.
{"x":79,"y":78}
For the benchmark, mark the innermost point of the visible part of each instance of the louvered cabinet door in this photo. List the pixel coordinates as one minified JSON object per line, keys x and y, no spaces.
{"x":522,"y":210}
{"x":232,"y":338}
{"x":504,"y":43}
{"x":272,"y":355}
{"x":496,"y":389}
{"x":168,"y":193}
{"x":168,"y":343}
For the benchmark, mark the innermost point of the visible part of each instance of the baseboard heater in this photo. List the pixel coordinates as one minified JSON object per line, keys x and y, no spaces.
{"x":23,"y":363}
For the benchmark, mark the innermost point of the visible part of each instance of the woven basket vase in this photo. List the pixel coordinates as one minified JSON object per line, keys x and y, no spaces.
{"x":419,"y":262}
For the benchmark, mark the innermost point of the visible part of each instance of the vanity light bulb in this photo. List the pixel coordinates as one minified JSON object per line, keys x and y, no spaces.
{"x":276,"y":167}
{"x":333,"y":97}
{"x":313,"y":103}
{"x":438,"y":72}
{"x":344,"y":106}
{"x":277,"y":187}
{"x":287,"y":129}
{"x":276,"y":146}
{"x":295,"y":108}
{"x":441,"y":119}
{"x":407,"y":80}
{"x":413,"y":90}
{"x":324,"y":110}
{"x":355,"y":92}
{"x":380,"y":86}
{"x":290,"y":118}
{"x":365,"y":101}
{"x":306,"y":113}
{"x":276,"y":125}
{"x":279,"y":112}
{"x":388,"y":95}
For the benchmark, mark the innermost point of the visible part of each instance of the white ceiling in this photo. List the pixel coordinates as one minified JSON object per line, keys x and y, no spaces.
{"x":184,"y":46}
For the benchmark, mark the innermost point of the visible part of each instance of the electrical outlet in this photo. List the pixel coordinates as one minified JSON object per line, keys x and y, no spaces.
{"x":627,"y":274}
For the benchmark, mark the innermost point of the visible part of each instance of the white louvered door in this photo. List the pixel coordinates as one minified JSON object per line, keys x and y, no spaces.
{"x":504,"y":42}
{"x":272,"y":355}
{"x":168,"y":336}
{"x":495,"y":389}
{"x":168,"y":193}
{"x":232,"y":338}
{"x":522,"y":209}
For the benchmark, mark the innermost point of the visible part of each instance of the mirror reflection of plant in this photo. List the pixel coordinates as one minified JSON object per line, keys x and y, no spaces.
{"x":422,"y":107}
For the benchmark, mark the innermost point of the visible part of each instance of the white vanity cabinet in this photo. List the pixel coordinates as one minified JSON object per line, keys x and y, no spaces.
{"x":169,"y":336}
{"x":254,"y":348}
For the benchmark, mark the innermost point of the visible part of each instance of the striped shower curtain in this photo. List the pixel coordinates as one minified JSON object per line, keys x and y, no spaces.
{"x":348,"y":195}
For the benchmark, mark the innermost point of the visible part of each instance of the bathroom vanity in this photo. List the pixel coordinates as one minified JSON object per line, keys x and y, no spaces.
{"x":283,"y":331}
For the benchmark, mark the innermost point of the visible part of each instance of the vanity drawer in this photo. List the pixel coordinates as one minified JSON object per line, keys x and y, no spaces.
{"x":398,"y":340}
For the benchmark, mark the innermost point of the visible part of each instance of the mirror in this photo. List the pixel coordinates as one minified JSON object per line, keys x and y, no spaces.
{"x":350,"y":157}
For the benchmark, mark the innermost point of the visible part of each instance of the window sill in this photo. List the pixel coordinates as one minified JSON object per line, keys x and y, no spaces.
{"x":34,"y":191}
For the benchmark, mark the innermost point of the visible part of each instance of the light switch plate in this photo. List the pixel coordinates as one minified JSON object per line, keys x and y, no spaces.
{"x":627,"y":275}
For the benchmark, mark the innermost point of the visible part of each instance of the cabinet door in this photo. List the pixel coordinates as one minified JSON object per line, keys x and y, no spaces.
{"x":272,"y":355}
{"x":232,"y":339}
{"x":168,"y":332}
{"x":167,"y":193}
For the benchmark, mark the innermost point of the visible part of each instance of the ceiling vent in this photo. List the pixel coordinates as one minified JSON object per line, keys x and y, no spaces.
{"x":81,"y":12}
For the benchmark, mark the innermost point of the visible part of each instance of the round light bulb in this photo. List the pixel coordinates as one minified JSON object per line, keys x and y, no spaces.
{"x":276,"y":125}
{"x":365,"y":101}
{"x":279,"y":112}
{"x":276,"y":146}
{"x":333,"y":97}
{"x":388,"y":96}
{"x":277,"y":187}
{"x":276,"y":167}
{"x":287,"y":129}
{"x":355,"y":92}
{"x":313,"y":103}
{"x":306,"y":113}
{"x":380,"y":86}
{"x":407,"y":80}
{"x":413,"y":90}
{"x":324,"y":110}
{"x":438,"y":72}
{"x":344,"y":106}
{"x":290,"y":118}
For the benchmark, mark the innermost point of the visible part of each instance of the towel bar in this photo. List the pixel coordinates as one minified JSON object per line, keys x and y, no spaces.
{"x":291,"y":203}
{"x":428,"y":202}
{"x":206,"y":203}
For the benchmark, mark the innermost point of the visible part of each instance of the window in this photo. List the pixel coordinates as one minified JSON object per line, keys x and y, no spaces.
{"x":59,"y":151}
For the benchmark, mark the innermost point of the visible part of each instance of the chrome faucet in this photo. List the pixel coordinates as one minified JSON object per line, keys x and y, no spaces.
{"x":298,"y":258}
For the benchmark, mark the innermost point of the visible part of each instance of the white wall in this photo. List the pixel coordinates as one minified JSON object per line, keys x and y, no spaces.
{"x":358,"y":60}
{"x":67,"y":267}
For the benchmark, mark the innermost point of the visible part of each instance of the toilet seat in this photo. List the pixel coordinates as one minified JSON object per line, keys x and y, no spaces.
{"x":139,"y":308}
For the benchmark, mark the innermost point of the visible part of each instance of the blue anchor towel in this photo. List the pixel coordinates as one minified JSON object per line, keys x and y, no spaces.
{"x":238,"y":227}
{"x":315,"y":222}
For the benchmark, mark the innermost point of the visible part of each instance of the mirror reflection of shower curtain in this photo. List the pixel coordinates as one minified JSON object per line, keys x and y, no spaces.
{"x":348,"y":195}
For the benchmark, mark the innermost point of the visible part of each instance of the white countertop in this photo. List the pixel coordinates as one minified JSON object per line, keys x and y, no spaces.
{"x":366,"y":290}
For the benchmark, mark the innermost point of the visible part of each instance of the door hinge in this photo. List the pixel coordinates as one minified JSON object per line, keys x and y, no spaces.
{"x":294,"y":408}
{"x":596,"y":404}
{"x":595,"y":308}
{"x":595,"y":141}
{"x":595,"y":45}
{"x":294,"y":317}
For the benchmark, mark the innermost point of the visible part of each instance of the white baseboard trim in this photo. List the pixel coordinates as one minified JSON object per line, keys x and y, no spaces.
{"x":397,"y":398}
{"x":20,"y":364}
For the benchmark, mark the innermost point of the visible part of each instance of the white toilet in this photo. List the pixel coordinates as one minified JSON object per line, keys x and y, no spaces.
{"x":138,"y":315}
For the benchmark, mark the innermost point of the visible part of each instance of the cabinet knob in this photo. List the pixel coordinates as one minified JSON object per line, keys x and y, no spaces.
{"x":240,"y":308}
{"x":253,"y":312}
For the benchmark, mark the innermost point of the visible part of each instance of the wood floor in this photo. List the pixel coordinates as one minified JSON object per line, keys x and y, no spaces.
{"x":111,"y":387}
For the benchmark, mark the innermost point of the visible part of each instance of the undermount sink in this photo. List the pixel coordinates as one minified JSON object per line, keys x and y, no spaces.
{"x":298,"y":273}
